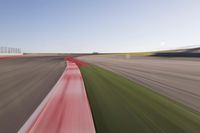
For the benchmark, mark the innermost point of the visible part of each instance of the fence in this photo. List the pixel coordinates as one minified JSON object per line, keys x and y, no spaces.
{"x":10,"y":51}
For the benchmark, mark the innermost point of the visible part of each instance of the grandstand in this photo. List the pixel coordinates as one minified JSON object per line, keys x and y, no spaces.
{"x":10,"y":51}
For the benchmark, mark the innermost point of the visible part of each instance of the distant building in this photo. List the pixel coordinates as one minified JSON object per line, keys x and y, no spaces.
{"x":95,"y":53}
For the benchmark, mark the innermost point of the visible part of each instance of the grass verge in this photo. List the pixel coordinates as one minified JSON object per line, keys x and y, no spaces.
{"x":135,"y":54}
{"x":122,"y":106}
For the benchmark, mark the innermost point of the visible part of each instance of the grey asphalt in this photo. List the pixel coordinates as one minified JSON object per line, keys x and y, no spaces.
{"x":24,"y":82}
{"x":176,"y":78}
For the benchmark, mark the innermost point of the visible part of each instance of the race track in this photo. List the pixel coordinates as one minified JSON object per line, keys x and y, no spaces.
{"x":24,"y":82}
{"x":177,"y":78}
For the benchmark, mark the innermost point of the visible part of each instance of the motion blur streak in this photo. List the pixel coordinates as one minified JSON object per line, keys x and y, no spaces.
{"x":12,"y":57}
{"x":24,"y":82}
{"x":67,"y":110}
{"x":177,"y":78}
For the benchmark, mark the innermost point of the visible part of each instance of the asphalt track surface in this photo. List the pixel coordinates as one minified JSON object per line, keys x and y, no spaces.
{"x":24,"y":82}
{"x":176,"y":78}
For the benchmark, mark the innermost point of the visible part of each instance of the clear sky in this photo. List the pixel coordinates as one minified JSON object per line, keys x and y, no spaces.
{"x":99,"y":25}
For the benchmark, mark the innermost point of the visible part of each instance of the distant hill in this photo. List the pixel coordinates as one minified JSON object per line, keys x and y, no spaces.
{"x":191,"y":52}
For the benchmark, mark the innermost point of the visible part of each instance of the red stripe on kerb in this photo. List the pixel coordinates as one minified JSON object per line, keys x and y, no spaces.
{"x":76,"y":61}
{"x":11,"y":57}
{"x":67,"y":110}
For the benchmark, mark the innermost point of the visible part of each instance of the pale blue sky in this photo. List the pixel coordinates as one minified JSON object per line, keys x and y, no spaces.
{"x":99,"y":25}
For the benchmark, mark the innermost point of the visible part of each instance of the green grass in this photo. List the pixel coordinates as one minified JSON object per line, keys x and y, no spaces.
{"x":135,"y":54}
{"x":141,"y":53}
{"x":122,"y":106}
